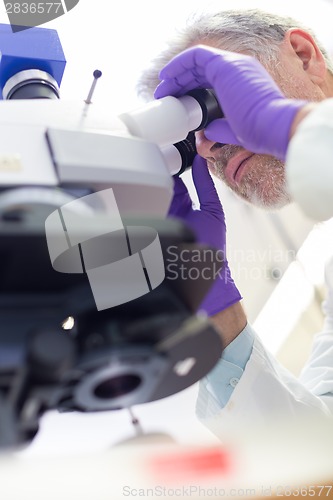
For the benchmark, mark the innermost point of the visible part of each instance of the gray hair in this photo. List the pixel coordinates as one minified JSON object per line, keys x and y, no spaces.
{"x":253,"y":32}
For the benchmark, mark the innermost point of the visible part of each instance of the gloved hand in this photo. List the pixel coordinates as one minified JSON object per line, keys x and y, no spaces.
{"x":208,"y":224}
{"x":257,"y":114}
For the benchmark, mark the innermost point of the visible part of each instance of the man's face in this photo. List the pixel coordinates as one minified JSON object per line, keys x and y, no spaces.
{"x":257,"y":178}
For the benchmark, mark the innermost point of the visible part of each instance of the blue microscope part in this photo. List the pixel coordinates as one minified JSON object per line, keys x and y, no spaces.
{"x":35,"y":48}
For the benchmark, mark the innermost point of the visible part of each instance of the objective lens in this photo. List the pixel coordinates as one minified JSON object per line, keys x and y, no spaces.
{"x":31,"y":84}
{"x":117,"y":386}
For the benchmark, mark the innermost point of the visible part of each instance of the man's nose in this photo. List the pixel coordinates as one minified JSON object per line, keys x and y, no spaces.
{"x":205,"y":148}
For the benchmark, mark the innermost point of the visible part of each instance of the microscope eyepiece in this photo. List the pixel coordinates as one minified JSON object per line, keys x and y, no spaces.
{"x":210,"y":110}
{"x":168,"y":122}
{"x":209,"y":105}
{"x":187,"y":151}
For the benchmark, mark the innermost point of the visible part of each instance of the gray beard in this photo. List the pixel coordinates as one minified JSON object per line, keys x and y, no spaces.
{"x":263,"y":185}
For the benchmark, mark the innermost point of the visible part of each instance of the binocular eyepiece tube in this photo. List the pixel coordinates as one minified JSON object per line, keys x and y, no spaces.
{"x":171,"y":122}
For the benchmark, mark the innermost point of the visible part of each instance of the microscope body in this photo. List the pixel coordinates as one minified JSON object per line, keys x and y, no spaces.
{"x":57,"y":154}
{"x":92,"y":152}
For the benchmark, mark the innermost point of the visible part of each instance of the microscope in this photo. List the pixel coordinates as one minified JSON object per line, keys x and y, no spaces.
{"x":90,"y":317}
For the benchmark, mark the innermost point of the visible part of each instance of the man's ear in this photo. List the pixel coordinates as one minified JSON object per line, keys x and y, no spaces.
{"x":307,"y":51}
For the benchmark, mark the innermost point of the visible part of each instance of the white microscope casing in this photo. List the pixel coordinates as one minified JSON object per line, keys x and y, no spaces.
{"x":50,"y":143}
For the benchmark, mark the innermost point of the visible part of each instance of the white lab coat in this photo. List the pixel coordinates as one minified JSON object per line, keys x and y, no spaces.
{"x":266,"y":389}
{"x":309,"y":163}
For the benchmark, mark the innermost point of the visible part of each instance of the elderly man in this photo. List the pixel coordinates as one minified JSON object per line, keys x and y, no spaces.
{"x":247,"y":149}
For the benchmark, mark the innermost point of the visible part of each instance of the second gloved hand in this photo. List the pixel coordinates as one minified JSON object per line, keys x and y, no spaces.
{"x":208,"y":224}
{"x":257,"y":114}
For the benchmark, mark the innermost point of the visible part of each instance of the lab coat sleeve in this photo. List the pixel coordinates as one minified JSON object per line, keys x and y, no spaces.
{"x":309,"y":163}
{"x":267,"y":391}
{"x":317,"y":374}
{"x":224,"y":377}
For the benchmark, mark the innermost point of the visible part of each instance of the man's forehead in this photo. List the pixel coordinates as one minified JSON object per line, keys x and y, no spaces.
{"x":264,"y":57}
{"x":222,"y":44}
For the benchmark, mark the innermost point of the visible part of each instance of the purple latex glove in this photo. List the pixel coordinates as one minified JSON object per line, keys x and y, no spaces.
{"x":257,"y":114}
{"x":209,"y":226}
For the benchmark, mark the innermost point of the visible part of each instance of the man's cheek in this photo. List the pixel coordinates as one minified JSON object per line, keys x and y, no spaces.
{"x":212,"y":169}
